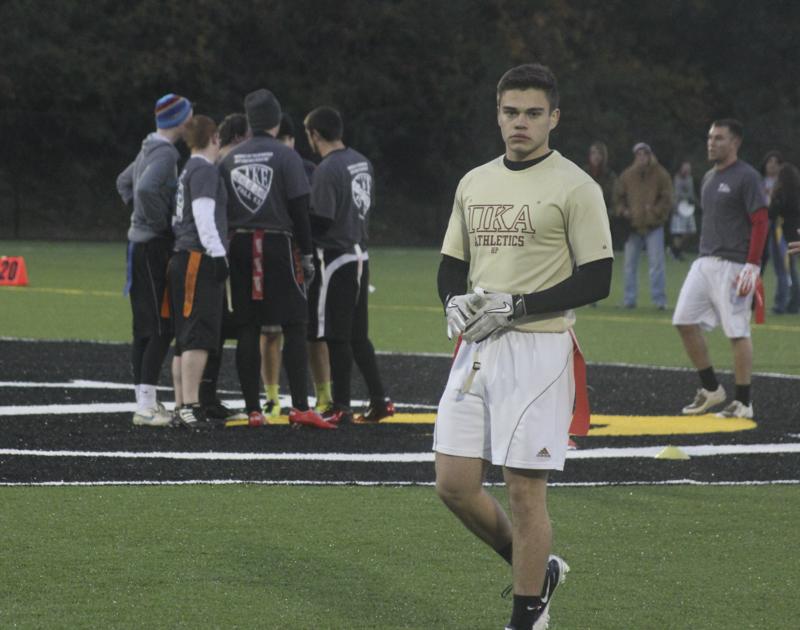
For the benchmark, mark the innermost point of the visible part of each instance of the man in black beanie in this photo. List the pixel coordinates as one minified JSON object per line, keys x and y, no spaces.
{"x":270,"y":255}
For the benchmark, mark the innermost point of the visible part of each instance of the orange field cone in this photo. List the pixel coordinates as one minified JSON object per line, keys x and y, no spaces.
{"x":13,"y":271}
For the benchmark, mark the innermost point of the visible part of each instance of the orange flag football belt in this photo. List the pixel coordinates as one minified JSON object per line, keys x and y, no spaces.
{"x":190,"y":283}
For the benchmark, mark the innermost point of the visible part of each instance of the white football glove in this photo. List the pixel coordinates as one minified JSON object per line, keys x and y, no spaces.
{"x":458,"y":310}
{"x":497,"y":312}
{"x":747,"y":278}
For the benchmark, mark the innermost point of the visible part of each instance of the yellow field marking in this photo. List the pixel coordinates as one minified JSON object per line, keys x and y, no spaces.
{"x":602,"y":425}
{"x":75,"y":292}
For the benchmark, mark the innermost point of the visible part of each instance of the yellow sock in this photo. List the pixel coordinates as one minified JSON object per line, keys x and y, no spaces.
{"x":323,"y":393}
{"x":272,"y":392}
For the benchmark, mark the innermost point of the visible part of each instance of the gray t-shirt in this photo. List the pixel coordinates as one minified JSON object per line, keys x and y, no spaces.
{"x":262,"y":175}
{"x":728,"y":198}
{"x":199,"y":179}
{"x":343,"y":191}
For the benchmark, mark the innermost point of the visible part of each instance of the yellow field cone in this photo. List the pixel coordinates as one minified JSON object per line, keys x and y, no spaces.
{"x":671,"y":452}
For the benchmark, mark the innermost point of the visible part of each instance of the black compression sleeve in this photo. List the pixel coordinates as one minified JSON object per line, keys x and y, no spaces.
{"x":452,"y":277}
{"x":298,"y":212}
{"x":588,"y":284}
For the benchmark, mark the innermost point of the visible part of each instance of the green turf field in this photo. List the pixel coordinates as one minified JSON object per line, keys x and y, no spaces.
{"x":647,"y":557}
{"x":341,"y":558}
{"x":75,"y":292}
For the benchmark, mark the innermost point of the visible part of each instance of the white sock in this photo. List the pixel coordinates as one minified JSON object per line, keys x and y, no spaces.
{"x":136,"y":392}
{"x":147,"y":396}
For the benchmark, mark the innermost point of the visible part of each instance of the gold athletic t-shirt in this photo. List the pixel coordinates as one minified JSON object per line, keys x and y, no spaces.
{"x":524,"y":231}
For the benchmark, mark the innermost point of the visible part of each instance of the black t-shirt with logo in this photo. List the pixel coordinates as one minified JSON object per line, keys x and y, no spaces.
{"x":262,"y":175}
{"x":343,"y":191}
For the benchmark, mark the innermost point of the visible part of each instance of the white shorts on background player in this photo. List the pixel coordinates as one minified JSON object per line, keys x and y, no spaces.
{"x":518,"y":407}
{"x":708,"y":298}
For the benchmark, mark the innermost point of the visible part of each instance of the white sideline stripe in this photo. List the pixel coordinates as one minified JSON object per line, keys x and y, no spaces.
{"x":88,"y":408}
{"x":310,"y":482}
{"x":425,"y":457}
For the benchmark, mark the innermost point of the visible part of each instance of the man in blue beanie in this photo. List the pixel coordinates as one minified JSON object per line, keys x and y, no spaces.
{"x":148,"y":188}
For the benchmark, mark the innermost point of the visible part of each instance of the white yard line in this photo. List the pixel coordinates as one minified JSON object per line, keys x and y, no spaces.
{"x":706,"y":450}
{"x":311,"y":482}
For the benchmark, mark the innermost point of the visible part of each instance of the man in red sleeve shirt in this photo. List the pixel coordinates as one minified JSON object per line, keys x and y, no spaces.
{"x":721,"y":283}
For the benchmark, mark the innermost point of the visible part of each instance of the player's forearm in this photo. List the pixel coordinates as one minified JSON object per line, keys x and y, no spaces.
{"x":452,"y":277}
{"x":298,"y":212}
{"x":588,"y":284}
{"x":758,"y":235}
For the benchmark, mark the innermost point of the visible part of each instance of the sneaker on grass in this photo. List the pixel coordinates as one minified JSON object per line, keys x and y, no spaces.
{"x":555,"y":575}
{"x":737,"y":409}
{"x":156,"y":416}
{"x":704,"y":400}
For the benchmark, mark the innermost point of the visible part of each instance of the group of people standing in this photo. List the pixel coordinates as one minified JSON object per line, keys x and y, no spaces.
{"x":641,"y":201}
{"x":250,"y":242}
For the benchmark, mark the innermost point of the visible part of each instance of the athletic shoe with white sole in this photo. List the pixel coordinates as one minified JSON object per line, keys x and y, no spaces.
{"x":219,"y":412}
{"x":737,"y":409}
{"x":156,"y":416}
{"x":555,"y":575}
{"x":309,"y":418}
{"x":191,"y":417}
{"x":704,"y":400}
{"x":376,"y":413}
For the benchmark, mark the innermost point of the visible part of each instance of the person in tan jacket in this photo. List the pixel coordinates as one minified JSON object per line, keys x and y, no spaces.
{"x":643,"y":196}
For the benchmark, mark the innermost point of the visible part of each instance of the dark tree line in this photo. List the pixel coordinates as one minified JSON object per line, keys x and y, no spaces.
{"x":414,"y":78}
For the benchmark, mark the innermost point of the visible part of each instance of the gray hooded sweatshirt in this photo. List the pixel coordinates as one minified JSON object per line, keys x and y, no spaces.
{"x":150,"y":182}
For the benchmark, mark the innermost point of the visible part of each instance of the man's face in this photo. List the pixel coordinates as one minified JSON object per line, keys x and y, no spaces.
{"x":595,"y":156}
{"x":525,"y":122}
{"x":686,"y":169}
{"x":184,"y":124}
{"x":772,"y":166}
{"x":721,"y":145}
{"x":641,"y":158}
{"x":312,"y":138}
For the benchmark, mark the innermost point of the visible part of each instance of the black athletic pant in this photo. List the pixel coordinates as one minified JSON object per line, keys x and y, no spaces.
{"x":147,"y":357}
{"x":346,"y":333}
{"x":295,"y":360}
{"x":152,"y":333}
{"x":248,"y":365}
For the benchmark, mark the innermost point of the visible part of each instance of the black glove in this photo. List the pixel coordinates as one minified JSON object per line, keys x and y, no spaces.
{"x":220,"y":268}
{"x":308,"y":268}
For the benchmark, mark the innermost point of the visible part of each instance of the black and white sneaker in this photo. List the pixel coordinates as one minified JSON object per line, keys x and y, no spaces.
{"x":555,"y":574}
{"x":191,"y":417}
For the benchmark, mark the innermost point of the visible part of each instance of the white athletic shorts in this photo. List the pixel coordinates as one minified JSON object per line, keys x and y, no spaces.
{"x":509,"y":401}
{"x":708,"y":298}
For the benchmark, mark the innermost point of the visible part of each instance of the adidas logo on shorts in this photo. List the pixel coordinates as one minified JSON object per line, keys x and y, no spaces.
{"x":543,"y":453}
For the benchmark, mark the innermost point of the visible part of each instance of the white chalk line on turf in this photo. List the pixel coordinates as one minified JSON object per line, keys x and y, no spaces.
{"x":310,"y":482}
{"x":707,"y":450}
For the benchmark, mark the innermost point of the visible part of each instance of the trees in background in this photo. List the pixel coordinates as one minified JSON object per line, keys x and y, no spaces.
{"x":414,"y":79}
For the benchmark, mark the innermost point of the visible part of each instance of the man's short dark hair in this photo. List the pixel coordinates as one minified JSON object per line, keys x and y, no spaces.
{"x":287,"y":126}
{"x":232,"y":126}
{"x":327,"y":122}
{"x":733,"y":125}
{"x":530,"y":76}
